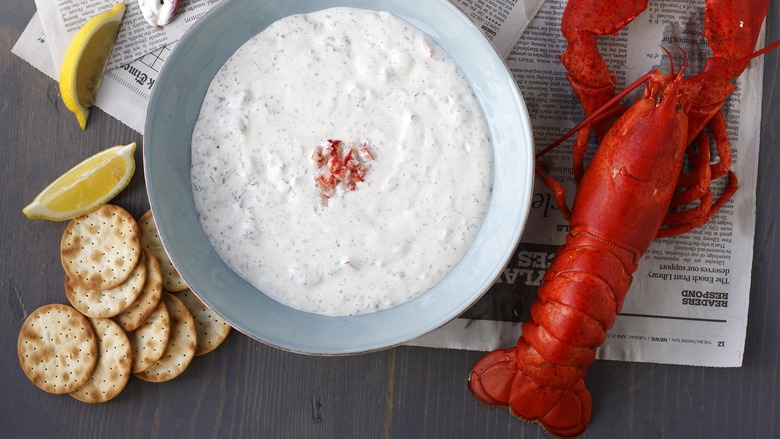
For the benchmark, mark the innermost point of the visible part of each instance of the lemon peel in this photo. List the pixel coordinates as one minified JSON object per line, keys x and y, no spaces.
{"x":85,"y":187}
{"x":81,"y":73}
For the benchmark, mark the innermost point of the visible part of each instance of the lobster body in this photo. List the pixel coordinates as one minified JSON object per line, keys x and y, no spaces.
{"x":624,"y":197}
{"x":622,"y":203}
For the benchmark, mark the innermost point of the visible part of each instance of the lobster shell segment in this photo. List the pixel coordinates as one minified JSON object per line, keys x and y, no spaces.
{"x":556,"y":318}
{"x":491,"y":378}
{"x":540,"y":370}
{"x":572,"y":413}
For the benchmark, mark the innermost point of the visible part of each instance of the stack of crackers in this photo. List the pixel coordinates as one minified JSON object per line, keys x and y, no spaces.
{"x":131,"y":312}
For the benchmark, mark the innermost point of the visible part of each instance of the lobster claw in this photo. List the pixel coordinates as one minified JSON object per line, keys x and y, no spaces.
{"x":731,"y":29}
{"x":589,"y":76}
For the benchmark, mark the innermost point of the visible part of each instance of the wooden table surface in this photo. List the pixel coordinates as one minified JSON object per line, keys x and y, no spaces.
{"x":247,"y":389}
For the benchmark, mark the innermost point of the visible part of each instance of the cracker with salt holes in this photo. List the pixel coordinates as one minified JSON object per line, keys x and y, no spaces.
{"x":110,"y":302}
{"x":57,"y":348}
{"x":114,"y":364}
{"x":140,"y":310}
{"x":150,"y":339}
{"x":99,"y":250}
{"x":212,"y":329}
{"x":150,"y":239}
{"x":180,"y":349}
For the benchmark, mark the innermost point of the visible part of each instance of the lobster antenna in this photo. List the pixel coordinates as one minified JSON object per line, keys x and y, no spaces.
{"x":671,"y":60}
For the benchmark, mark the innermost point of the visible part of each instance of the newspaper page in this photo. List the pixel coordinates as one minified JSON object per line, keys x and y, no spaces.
{"x":689,"y":299}
{"x":61,"y":19}
{"x":502,"y":21}
{"x":125,"y":91}
{"x":141,"y":49}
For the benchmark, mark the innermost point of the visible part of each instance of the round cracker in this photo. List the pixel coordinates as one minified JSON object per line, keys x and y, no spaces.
{"x":180,"y":349}
{"x":136,"y":314}
{"x":150,"y":339}
{"x":114,"y":365}
{"x":150,"y":240}
{"x":110,"y":302}
{"x":99,"y":250}
{"x":212,"y":329}
{"x":57,"y":348}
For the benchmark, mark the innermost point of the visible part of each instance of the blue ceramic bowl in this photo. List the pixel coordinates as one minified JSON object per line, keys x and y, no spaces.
{"x":174,"y":107}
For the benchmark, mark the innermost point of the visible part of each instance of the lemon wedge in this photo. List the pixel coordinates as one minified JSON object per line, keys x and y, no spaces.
{"x":85,"y":60}
{"x":85,"y":187}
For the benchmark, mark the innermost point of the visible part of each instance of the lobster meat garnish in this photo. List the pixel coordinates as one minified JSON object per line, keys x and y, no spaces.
{"x":633,"y":191}
{"x":339,"y":166}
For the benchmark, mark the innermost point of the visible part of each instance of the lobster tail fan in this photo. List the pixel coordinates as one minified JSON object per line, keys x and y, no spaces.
{"x":562,"y":419}
{"x":491,"y":378}
{"x":496,"y":381}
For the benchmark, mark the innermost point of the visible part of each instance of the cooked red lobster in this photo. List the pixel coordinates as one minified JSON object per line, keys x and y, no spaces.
{"x":622,"y":203}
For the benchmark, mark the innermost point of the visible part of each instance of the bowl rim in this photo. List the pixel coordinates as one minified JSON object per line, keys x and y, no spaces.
{"x":173,"y":106}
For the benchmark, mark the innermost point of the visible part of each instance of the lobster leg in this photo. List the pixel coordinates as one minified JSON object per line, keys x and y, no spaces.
{"x":695,"y":185}
{"x":559,"y":194}
{"x":723,"y":144}
{"x":681,"y":222}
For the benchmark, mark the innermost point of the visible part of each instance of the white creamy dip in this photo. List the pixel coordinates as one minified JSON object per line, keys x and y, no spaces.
{"x":355,"y":76}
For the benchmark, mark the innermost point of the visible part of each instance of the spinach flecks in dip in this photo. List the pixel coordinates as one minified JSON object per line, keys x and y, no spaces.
{"x":361,"y":77}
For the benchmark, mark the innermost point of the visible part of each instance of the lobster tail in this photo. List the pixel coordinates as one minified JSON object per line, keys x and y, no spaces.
{"x":561,"y":411}
{"x":541,"y":378}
